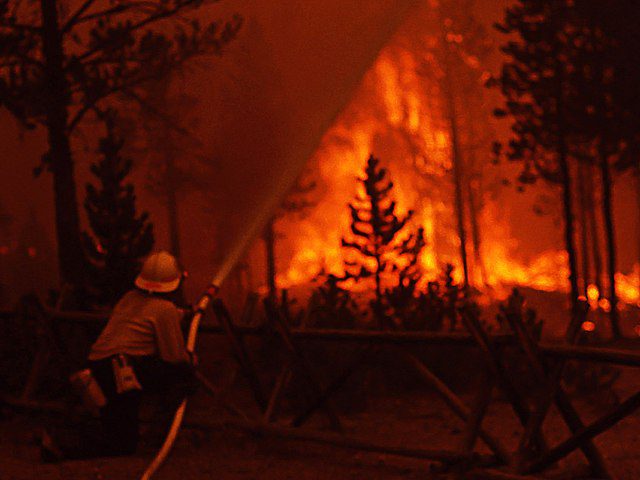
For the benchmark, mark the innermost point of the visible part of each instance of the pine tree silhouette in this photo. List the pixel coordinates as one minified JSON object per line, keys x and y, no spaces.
{"x":375,"y":226}
{"x":119,"y":237}
{"x":540,"y":99}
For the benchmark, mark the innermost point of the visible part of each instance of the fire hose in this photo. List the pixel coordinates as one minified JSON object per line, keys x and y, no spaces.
{"x":211,"y":291}
{"x":287,"y":179}
{"x":290,"y":169}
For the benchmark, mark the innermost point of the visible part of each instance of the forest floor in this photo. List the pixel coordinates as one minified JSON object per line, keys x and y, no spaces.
{"x":413,"y":419}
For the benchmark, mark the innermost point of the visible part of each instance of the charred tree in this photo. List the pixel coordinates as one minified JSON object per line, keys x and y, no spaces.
{"x":607,"y":214}
{"x":458,"y":177}
{"x":58,"y":65}
{"x":171,"y":154}
{"x":610,"y":107}
{"x":593,"y":224}
{"x":460,"y":48}
{"x":120,"y":238}
{"x":374,"y":227}
{"x":297,"y":202}
{"x":59,"y":156}
{"x":536,"y":88}
{"x":637,"y":172}
{"x":270,"y":255}
{"x":160,"y":135}
{"x":476,"y":238}
{"x":583,"y":206}
{"x":567,"y":204}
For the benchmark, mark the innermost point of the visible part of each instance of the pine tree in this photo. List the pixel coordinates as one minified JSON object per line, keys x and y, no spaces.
{"x":61,"y":61}
{"x":605,"y":82}
{"x":457,"y":54}
{"x":119,"y":237}
{"x":535,"y":83}
{"x":404,"y":297}
{"x":375,"y":226}
{"x":332,"y":306}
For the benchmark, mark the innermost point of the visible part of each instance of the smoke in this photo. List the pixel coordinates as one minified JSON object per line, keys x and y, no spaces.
{"x":266,"y":103}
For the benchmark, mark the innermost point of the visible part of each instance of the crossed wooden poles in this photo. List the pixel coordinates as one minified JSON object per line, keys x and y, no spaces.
{"x":544,"y":362}
{"x":533,"y":455}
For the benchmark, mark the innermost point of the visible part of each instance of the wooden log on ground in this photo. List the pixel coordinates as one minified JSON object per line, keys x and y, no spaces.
{"x":585,"y":434}
{"x":216,"y":393}
{"x":342,"y":441}
{"x":492,"y":356}
{"x":333,"y":387}
{"x":547,"y":376}
{"x":492,"y":474}
{"x":274,"y":400}
{"x":300,"y":364}
{"x":241,"y":354}
{"x":458,"y":407}
{"x":630,"y":358}
{"x":366,"y":336}
{"x":30,"y":405}
{"x":555,"y":392}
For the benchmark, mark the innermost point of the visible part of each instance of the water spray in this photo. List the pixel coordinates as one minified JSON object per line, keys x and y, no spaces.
{"x":290,"y":171}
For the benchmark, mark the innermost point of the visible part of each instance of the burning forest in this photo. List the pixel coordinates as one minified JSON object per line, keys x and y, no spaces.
{"x":401,"y":236}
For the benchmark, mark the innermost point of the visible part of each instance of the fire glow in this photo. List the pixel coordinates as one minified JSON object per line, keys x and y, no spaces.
{"x":395,"y":119}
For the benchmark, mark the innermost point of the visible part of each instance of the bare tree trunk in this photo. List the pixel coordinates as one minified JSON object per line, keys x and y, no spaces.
{"x":638,"y":219}
{"x":70,"y":251}
{"x":569,"y":226}
{"x":607,"y":212}
{"x":475,"y":230}
{"x":584,"y":236}
{"x":172,"y":205}
{"x":593,"y":224}
{"x":270,"y":252}
{"x":567,"y":200}
{"x":458,"y":178}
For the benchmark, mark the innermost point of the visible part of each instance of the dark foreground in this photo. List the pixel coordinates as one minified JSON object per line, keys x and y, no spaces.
{"x":419,"y":420}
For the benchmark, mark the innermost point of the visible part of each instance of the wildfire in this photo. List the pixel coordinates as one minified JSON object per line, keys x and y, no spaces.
{"x":393,"y":117}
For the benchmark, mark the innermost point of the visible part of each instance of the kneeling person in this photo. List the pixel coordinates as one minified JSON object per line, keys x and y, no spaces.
{"x":141,"y":349}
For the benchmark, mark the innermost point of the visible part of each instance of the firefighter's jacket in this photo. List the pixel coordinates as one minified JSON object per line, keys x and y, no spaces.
{"x":142,"y":325}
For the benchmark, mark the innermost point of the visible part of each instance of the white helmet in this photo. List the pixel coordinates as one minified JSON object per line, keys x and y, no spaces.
{"x":160,"y":273}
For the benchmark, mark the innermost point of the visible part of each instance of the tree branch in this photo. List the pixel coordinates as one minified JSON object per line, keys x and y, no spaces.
{"x":161,"y":15}
{"x":158,"y":114}
{"x":74,"y":18}
{"x":135,"y":80}
{"x":116,"y":10}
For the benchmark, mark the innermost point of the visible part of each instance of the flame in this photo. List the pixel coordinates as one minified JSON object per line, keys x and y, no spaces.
{"x":393,"y":117}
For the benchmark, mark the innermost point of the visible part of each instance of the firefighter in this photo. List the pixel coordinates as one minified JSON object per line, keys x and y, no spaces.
{"x":141,"y":349}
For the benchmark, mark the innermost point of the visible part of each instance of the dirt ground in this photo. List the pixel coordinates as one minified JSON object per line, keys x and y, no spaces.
{"x":418,"y":420}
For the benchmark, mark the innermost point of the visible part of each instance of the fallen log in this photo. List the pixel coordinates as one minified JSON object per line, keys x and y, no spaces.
{"x":586,"y":434}
{"x":338,"y":440}
{"x":630,"y":358}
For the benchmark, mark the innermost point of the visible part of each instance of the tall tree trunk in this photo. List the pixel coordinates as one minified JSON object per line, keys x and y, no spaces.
{"x":270,"y":252}
{"x":593,"y":225}
{"x":607,"y":213}
{"x":70,"y":251}
{"x":567,"y":201}
{"x":583,"y":205}
{"x":475,"y":229}
{"x":160,"y":136}
{"x":172,"y":205}
{"x":569,"y":226}
{"x":458,"y":178}
{"x":637,"y":172}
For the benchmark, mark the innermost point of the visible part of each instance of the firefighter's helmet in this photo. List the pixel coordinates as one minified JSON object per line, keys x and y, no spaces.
{"x":160,"y":273}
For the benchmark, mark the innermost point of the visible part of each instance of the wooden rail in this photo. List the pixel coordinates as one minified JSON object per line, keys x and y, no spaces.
{"x":542,"y":358}
{"x":624,"y":357}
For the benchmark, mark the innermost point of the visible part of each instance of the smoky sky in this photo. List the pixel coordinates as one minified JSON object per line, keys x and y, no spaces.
{"x":261,"y":107}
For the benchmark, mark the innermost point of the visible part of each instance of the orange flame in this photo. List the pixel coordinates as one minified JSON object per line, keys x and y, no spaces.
{"x":395,"y":119}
